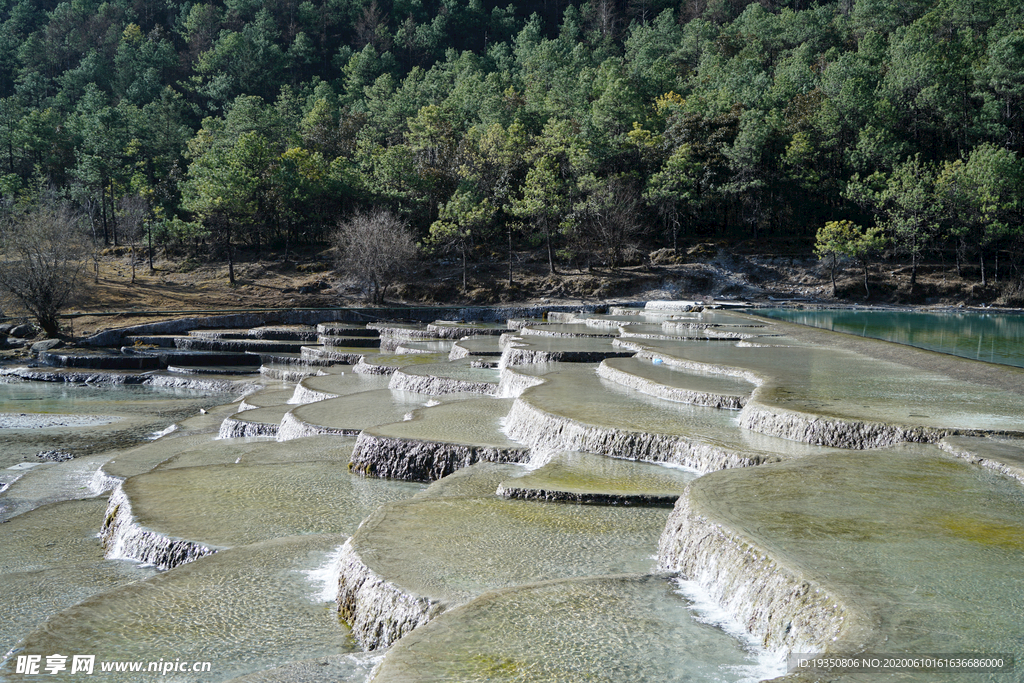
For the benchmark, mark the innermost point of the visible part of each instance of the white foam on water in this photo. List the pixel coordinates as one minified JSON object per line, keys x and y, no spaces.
{"x":770,"y":663}
{"x":540,"y":457}
{"x":365,"y":665}
{"x":163,"y":432}
{"x":101,"y":482}
{"x":324,"y":578}
{"x":677,"y":466}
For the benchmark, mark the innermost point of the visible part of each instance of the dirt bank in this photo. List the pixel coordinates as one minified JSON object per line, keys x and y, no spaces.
{"x":309,"y":280}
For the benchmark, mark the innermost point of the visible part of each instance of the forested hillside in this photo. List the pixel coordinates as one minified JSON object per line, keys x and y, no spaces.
{"x":582,"y":130}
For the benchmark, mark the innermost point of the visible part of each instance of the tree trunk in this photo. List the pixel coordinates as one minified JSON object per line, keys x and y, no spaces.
{"x":551,"y":257}
{"x":913,"y":272}
{"x":464,"y":288}
{"x":50,"y":326}
{"x":867,"y":292}
{"x":833,"y":275}
{"x":510,"y":255}
{"x":113,"y":212}
{"x":981,"y":259}
{"x":231,"y":255}
{"x":103,"y":216}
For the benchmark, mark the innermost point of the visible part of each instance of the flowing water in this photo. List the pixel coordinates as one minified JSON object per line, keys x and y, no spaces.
{"x":576,"y":565}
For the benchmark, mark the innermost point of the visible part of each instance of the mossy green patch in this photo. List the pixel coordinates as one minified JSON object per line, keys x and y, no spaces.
{"x":493,"y":666}
{"x":984,"y":532}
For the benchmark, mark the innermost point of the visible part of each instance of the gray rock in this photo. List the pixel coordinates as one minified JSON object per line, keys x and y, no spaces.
{"x":5,"y":329}
{"x":47,"y":345}
{"x":55,"y":455}
{"x":23,"y":331}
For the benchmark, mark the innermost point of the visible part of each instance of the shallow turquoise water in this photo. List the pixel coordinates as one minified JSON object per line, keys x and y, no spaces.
{"x":990,"y":337}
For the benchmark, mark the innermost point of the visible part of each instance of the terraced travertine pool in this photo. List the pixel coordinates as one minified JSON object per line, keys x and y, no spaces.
{"x":638,"y":495}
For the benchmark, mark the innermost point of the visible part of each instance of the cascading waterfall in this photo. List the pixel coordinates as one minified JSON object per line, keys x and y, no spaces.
{"x":125,"y":539}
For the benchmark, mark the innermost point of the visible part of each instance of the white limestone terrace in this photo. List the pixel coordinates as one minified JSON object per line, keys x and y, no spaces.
{"x":619,"y":422}
{"x":449,"y":377}
{"x":411,"y":561}
{"x":256,"y":422}
{"x":891,"y":550}
{"x":576,"y":477}
{"x":153,"y":518}
{"x":475,"y":346}
{"x":387,"y":363}
{"x":655,"y":378}
{"x":265,"y":398}
{"x":828,"y":562}
{"x":607,"y":628}
{"x":837,"y":391}
{"x":1004,"y":455}
{"x":445,"y":329}
{"x":438,"y":441}
{"x":350,"y":355}
{"x":334,"y":384}
{"x":349,"y":414}
{"x":544,"y":349}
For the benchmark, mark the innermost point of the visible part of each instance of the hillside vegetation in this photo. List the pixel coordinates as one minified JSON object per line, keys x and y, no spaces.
{"x":591,"y":133}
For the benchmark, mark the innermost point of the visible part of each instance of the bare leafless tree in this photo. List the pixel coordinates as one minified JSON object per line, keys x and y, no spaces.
{"x":371,"y":28}
{"x":132,"y":211}
{"x":609,"y":221}
{"x":43,"y":256}
{"x":375,"y":248}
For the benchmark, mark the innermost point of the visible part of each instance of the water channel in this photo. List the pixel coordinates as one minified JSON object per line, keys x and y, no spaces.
{"x":660,"y":494}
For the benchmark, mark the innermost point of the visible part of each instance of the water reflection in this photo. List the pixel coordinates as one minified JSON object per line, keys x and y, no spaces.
{"x":990,"y":337}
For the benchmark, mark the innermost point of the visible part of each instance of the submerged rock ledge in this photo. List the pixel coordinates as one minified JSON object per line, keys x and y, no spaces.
{"x":651,"y":388}
{"x":123,"y":538}
{"x":419,"y":460}
{"x":580,"y":498}
{"x":377,"y":611}
{"x":1003,"y":458}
